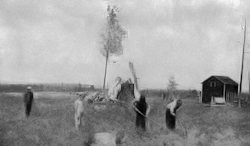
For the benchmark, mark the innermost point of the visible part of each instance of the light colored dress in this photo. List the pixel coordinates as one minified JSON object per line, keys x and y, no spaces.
{"x":79,"y":109}
{"x":115,"y":89}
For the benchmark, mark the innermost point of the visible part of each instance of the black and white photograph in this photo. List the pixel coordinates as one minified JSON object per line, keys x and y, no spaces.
{"x":124,"y":73}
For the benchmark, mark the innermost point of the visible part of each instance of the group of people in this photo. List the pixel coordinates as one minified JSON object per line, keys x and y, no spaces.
{"x":141,"y":107}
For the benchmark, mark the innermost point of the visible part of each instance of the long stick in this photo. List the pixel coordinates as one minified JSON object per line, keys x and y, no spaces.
{"x":131,"y":66}
{"x":145,"y":116}
{"x":140,"y":113}
{"x":185,"y":131}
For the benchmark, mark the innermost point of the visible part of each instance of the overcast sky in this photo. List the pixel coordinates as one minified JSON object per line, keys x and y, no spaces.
{"x":58,"y":41}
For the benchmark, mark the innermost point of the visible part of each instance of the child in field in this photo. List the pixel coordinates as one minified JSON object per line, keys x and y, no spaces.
{"x":79,"y":111}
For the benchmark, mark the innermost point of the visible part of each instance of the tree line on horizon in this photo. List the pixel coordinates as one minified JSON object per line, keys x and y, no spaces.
{"x":46,"y":87}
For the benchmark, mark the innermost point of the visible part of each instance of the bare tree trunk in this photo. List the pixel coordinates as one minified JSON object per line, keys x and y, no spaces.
{"x":105,"y":73}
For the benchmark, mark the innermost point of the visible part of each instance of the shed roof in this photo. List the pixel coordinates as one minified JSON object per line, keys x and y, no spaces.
{"x":224,"y":80}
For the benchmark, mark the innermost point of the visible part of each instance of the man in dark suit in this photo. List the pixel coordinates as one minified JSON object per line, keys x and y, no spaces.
{"x":28,"y":100}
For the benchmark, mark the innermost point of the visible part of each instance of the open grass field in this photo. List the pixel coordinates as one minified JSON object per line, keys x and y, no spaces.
{"x":52,"y":123}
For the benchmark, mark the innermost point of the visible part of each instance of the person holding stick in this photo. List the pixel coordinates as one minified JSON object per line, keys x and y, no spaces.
{"x":172,"y":107}
{"x":143,"y":110}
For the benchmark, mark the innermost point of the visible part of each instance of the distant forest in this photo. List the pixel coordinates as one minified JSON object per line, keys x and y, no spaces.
{"x":160,"y":92}
{"x":46,"y":87}
{"x":83,"y":87}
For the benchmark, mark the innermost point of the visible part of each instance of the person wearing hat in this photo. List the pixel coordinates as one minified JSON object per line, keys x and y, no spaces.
{"x":28,"y":100}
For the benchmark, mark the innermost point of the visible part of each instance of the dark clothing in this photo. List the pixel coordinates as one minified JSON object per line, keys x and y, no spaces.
{"x":142,"y":107}
{"x":140,"y":121}
{"x":170,"y":120}
{"x":28,"y":100}
{"x":28,"y":109}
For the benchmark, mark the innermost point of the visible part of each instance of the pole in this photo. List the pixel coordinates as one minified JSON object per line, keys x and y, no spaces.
{"x":224,"y":91}
{"x":242,"y":64}
{"x":248,"y":82}
{"x":105,"y":73}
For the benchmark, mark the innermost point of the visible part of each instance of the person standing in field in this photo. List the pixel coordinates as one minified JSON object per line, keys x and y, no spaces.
{"x":172,"y":107}
{"x":79,"y":111}
{"x":28,"y":101}
{"x":115,"y":89}
{"x":142,"y":110}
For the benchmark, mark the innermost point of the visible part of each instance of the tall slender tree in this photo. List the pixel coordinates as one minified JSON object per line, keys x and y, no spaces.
{"x":172,"y":86}
{"x":112,"y":37}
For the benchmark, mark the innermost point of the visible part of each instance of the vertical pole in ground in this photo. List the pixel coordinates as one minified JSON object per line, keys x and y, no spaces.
{"x":239,"y":103}
{"x":242,"y":64}
{"x":224,"y":92}
{"x":201,"y":95}
{"x":248,"y":82}
{"x":106,"y":66}
{"x":212,"y":101}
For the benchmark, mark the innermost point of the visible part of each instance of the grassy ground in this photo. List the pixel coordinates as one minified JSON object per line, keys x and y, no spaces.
{"x":52,"y":123}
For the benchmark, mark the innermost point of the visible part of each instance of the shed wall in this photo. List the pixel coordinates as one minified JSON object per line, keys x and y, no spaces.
{"x":232,"y":89}
{"x":208,"y":91}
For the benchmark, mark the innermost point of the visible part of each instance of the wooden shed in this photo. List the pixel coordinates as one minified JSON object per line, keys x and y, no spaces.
{"x":218,"y":86}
